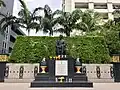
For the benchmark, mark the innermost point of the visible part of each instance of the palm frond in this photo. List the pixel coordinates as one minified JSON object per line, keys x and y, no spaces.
{"x":76,"y":15}
{"x":57,"y":12}
{"x":47,"y":10}
{"x":2,"y":3}
{"x":61,"y":30}
{"x":2,"y":21}
{"x":1,"y":14}
{"x":5,"y":25}
{"x":36,"y":9}
{"x":37,"y":18}
{"x":25,"y":10}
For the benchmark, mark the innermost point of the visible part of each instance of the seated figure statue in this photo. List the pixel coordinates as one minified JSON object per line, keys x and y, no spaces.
{"x":60,"y":46}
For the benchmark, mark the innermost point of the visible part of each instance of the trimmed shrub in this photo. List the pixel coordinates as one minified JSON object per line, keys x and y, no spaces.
{"x":112,"y":39}
{"x":31,"y":49}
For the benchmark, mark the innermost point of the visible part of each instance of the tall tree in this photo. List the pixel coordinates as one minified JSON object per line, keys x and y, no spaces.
{"x":48,"y":20}
{"x":68,"y":21}
{"x":90,"y":21}
{"x":6,"y":21}
{"x":46,"y":24}
{"x":26,"y":19}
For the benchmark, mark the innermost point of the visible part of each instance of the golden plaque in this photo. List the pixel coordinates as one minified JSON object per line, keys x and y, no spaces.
{"x":3,"y":58}
{"x":116,"y":58}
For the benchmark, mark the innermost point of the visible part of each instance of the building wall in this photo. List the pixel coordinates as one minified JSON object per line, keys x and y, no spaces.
{"x":14,"y":73}
{"x":6,"y":38}
{"x":1,"y":42}
{"x":107,"y":6}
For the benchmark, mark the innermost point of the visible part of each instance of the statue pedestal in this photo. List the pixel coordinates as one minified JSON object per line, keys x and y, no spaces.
{"x":61,"y":74}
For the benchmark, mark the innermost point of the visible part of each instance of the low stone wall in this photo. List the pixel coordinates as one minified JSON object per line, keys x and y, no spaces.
{"x":20,"y":72}
{"x":26,"y":72}
{"x":99,"y":72}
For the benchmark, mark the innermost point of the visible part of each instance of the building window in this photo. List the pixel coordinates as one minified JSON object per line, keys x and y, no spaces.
{"x":104,"y":15}
{"x":12,"y":39}
{"x":3,"y":44}
{"x":6,"y":37}
{"x":7,"y":29}
{"x":81,"y":5}
{"x":116,"y":5}
{"x":10,"y":49}
{"x":2,"y":51}
{"x":100,"y":5}
{"x":16,"y":30}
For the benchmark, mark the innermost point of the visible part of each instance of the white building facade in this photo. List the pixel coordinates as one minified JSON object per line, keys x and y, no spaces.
{"x":104,"y":7}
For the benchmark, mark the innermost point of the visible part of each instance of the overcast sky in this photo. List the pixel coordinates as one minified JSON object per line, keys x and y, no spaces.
{"x":32,"y":4}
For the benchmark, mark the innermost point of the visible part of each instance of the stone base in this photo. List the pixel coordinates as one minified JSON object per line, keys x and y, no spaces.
{"x":2,"y":71}
{"x":36,"y":84}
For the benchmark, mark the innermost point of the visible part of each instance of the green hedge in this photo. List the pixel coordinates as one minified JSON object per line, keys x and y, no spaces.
{"x":112,"y":39}
{"x":113,"y":42}
{"x":29,"y":49}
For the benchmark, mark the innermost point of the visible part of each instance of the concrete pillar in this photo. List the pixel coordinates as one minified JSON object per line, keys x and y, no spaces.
{"x":72,"y":5}
{"x":91,"y":5}
{"x":110,"y":10}
{"x":68,"y":4}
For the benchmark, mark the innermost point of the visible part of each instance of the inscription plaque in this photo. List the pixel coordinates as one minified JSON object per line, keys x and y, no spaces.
{"x":61,"y":68}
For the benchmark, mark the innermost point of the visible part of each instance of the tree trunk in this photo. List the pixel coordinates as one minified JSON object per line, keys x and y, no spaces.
{"x":28,"y":32}
{"x":67,"y":32}
{"x":51,"y":33}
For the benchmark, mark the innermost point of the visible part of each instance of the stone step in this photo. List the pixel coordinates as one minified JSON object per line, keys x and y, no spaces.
{"x":80,"y":78}
{"x":36,"y":84}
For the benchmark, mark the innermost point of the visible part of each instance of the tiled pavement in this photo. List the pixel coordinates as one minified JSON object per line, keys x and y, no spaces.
{"x":26,"y":86}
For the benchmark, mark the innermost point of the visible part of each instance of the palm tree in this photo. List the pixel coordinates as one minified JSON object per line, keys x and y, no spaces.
{"x":46,"y":24}
{"x":90,"y":21}
{"x":6,"y":21}
{"x":28,"y":19}
{"x":68,"y":21}
{"x":47,"y":21}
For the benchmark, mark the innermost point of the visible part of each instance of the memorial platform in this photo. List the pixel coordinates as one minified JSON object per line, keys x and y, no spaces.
{"x":61,"y":73}
{"x":36,"y":84}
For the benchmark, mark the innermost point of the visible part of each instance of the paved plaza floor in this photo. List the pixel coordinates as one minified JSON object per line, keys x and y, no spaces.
{"x":26,"y":86}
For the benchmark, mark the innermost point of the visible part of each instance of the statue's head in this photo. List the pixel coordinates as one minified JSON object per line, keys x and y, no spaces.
{"x":61,"y":37}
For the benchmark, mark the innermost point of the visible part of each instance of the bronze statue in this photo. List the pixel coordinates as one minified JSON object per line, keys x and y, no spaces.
{"x":60,"y":46}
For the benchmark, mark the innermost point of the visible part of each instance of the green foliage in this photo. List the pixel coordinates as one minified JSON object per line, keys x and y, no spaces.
{"x":90,"y":21}
{"x":112,"y":39}
{"x":68,"y":21}
{"x":33,"y":49}
{"x":113,"y":42}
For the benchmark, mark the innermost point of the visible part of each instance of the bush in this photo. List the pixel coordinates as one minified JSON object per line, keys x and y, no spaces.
{"x":112,"y":39}
{"x":29,"y":49}
{"x":113,"y":42}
